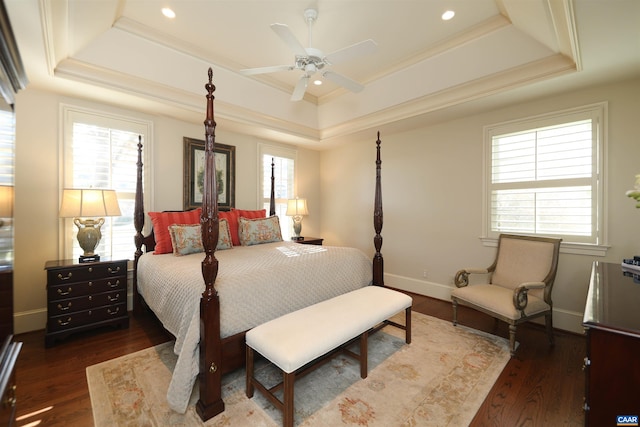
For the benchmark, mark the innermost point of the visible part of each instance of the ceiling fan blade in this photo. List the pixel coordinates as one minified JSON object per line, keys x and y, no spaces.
{"x":359,"y":49}
{"x":287,"y":36}
{"x":301,"y":88}
{"x":343,"y":81}
{"x":265,"y":70}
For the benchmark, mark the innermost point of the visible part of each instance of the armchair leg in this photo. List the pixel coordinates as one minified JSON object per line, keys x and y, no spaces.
{"x":512,"y":339}
{"x":548,"y":318}
{"x":454,"y":304}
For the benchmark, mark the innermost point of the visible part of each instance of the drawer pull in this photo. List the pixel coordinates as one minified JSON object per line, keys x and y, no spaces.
{"x":63,"y":323}
{"x":114,"y":285}
{"x":63,"y":293}
{"x":114,"y":270}
{"x":11,"y":397}
{"x":586,"y":363}
{"x":61,"y":308}
{"x":114,"y":312}
{"x":67,"y":277}
{"x":113,"y":299}
{"x":90,"y":269}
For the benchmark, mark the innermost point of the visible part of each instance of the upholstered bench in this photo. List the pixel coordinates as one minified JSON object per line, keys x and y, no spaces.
{"x":296,"y":341}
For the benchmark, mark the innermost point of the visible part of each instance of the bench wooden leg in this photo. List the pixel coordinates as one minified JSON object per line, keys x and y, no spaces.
{"x":249,"y":386}
{"x":407,"y":329}
{"x":287,"y":411}
{"x":364,"y":370}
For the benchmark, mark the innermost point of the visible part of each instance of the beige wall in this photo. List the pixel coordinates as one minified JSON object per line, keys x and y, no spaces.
{"x":37,"y":191}
{"x":432,"y":194}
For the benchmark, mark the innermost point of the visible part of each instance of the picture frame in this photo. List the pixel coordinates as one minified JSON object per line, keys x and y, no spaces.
{"x":193,"y":170}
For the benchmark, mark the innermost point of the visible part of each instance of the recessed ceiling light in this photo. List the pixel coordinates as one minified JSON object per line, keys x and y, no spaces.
{"x":168,"y":12}
{"x":317,"y":82}
{"x":448,"y":15}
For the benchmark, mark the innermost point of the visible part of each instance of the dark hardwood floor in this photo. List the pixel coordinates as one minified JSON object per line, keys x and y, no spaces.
{"x":541,"y":386}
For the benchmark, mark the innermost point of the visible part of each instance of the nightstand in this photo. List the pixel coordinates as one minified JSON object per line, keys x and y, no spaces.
{"x":309,"y":240}
{"x":85,"y":296}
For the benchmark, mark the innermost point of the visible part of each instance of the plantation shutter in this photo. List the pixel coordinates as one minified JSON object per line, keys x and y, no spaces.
{"x":284,"y":172}
{"x":7,"y":153}
{"x":544,"y":181}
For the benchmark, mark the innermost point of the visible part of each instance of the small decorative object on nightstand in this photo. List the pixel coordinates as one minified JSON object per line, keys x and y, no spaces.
{"x":308,"y":240}
{"x":85,"y":296}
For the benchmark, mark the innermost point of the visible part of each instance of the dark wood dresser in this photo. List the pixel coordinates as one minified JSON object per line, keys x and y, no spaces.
{"x":612,"y":325}
{"x":8,"y":356}
{"x":85,"y":296}
{"x":6,"y":302}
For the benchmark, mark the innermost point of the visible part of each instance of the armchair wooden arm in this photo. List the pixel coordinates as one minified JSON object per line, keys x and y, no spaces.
{"x":520,"y":295}
{"x":462,"y":277}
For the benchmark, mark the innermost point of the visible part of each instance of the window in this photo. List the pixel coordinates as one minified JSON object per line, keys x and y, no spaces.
{"x":7,"y":151}
{"x":101,"y":151}
{"x":284,"y":173}
{"x":543,"y":176}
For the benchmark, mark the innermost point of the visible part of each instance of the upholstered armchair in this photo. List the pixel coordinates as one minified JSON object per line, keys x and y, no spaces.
{"x":518,"y":284}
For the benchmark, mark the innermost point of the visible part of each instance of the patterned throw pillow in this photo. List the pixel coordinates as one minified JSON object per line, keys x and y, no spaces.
{"x":187,"y":238}
{"x":259,"y":230}
{"x":161,"y":222}
{"x":234,"y":216}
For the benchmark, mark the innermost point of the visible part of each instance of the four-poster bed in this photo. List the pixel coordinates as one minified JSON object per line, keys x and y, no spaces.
{"x":238,"y":295}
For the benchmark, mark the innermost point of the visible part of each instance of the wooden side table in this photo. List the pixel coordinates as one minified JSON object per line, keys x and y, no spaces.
{"x":309,"y":240}
{"x":85,"y":296}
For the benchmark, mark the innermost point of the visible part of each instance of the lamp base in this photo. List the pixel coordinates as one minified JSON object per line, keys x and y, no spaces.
{"x":89,"y":258}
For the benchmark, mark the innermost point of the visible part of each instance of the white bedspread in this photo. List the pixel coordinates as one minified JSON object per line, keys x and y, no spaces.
{"x":255,"y":284}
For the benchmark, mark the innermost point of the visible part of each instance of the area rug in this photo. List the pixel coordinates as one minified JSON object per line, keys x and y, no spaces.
{"x":440,"y":379}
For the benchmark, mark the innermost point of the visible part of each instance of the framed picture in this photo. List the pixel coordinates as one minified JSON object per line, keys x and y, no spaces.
{"x":193,"y":181}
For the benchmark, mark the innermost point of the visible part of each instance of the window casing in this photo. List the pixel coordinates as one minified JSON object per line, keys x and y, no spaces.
{"x":100,"y":150}
{"x":544,"y":176}
{"x":284,"y":184}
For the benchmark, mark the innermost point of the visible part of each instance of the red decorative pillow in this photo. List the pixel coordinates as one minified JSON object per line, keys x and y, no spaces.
{"x":161,"y":222}
{"x":232,"y":220}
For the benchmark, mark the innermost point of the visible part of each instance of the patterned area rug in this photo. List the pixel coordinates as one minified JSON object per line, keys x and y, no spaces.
{"x":440,"y":379}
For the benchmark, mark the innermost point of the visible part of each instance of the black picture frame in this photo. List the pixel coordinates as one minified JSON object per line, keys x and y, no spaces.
{"x":193,"y":169}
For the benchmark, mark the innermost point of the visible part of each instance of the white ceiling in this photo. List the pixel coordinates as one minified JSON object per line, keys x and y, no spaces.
{"x":126,"y":53}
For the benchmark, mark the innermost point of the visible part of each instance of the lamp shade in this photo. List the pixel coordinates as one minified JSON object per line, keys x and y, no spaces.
{"x":297,"y":207}
{"x":6,"y":201}
{"x":91,"y":202}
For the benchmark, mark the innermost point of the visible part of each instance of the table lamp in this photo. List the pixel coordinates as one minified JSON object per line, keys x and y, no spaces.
{"x":89,"y":204}
{"x":297,"y":208}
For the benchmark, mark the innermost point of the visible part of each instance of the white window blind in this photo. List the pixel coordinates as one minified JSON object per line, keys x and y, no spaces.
{"x":544,"y":176}
{"x":101,"y":151}
{"x":7,"y":153}
{"x":284,"y":174}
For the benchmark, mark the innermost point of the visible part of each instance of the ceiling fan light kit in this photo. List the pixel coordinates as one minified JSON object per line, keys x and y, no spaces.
{"x":311,"y":60}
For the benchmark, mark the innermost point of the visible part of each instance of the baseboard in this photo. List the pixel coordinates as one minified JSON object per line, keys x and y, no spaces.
{"x":562,"y":319}
{"x":27,"y":321}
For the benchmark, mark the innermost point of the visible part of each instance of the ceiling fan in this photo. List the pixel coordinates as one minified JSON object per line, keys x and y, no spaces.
{"x":312,"y":60}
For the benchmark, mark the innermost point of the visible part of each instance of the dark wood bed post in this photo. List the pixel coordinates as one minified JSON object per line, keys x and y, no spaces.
{"x":138,"y":223}
{"x":378,"y":262}
{"x":272,"y":200}
{"x":210,"y":376}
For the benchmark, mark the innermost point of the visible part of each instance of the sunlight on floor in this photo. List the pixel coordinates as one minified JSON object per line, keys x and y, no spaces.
{"x":26,"y":417}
